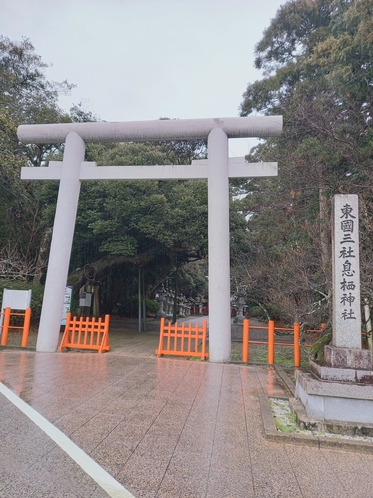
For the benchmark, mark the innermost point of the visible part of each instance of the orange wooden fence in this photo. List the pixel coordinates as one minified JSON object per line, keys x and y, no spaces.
{"x":182,"y":340}
{"x":271,"y":342}
{"x":86,"y":333}
{"x":7,"y":314}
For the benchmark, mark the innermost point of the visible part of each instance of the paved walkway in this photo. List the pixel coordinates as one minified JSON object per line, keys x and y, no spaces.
{"x":166,"y":428}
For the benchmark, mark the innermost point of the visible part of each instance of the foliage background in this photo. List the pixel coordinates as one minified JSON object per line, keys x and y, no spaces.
{"x":317,"y":72}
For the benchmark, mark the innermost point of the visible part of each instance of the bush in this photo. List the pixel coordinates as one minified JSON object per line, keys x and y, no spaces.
{"x":37,"y":292}
{"x":129,"y":306}
{"x":259,"y":313}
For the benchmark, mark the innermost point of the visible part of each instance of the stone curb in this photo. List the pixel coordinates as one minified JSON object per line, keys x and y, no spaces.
{"x":18,"y":348}
{"x":288,"y":384}
{"x":321,"y":442}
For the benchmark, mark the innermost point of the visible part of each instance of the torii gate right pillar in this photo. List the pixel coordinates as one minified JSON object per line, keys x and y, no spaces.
{"x":218,"y":247}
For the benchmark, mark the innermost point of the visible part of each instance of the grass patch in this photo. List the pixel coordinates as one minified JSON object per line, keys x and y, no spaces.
{"x":281,"y":427}
{"x":198,"y":358}
{"x":258,"y":353}
{"x":285,"y":420}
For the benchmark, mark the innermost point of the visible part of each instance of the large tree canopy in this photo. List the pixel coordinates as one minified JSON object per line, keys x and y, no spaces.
{"x":155,"y":225}
{"x":316,"y":58}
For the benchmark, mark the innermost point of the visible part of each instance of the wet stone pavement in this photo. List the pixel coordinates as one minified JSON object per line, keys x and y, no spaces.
{"x":161,"y":427}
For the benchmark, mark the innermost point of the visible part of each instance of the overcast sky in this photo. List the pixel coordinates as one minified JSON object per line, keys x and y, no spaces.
{"x":138,"y":60}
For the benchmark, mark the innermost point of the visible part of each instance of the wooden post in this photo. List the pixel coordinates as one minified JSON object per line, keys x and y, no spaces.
{"x":245,"y":341}
{"x":271,"y":342}
{"x":296,"y":344}
{"x":4,"y":335}
{"x":26,"y":327}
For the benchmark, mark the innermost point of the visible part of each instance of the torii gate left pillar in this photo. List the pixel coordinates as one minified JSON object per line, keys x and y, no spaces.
{"x":218,"y":168}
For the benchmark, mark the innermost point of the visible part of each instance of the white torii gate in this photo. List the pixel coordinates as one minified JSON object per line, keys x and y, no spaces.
{"x":218,"y":168}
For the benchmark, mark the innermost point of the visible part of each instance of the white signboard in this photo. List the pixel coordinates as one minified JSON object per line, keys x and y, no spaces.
{"x":16,"y":300}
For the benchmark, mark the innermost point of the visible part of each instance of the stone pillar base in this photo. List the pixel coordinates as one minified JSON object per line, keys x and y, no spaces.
{"x":344,"y":365}
{"x":341,"y":389}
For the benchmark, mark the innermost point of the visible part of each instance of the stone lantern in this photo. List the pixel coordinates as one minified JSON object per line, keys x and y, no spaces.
{"x":161,"y":297}
{"x":240,"y":308}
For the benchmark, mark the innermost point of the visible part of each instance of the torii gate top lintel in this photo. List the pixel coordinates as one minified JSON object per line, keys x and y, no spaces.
{"x":161,"y":129}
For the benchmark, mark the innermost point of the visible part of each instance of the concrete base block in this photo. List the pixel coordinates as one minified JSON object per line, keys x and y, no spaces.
{"x":332,"y":427}
{"x":335,"y":401}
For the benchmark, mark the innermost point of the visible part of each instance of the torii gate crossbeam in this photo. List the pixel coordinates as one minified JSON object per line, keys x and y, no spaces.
{"x":218,"y":168}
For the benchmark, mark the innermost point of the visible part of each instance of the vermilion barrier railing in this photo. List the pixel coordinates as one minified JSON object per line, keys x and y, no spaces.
{"x":86,"y":333}
{"x":271,"y":342}
{"x":7,"y":314}
{"x":182,"y":340}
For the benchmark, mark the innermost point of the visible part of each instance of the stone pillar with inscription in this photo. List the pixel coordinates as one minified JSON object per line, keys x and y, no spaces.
{"x":341,"y":388}
{"x":346,"y":273}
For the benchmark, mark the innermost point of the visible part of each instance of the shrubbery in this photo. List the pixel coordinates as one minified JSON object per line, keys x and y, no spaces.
{"x":261,"y":313}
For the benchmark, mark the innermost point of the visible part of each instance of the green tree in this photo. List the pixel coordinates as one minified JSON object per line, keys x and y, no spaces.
{"x":123,"y":225}
{"x":316,"y":58}
{"x":26,"y":96}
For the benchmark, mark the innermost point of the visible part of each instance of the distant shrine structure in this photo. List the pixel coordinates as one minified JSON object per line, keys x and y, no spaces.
{"x":217,"y":169}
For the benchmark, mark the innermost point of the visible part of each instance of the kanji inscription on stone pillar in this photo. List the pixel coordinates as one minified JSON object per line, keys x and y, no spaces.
{"x":346,"y":272}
